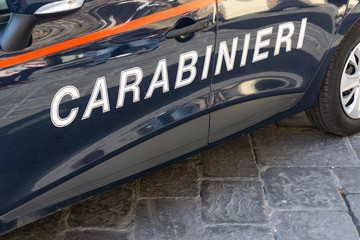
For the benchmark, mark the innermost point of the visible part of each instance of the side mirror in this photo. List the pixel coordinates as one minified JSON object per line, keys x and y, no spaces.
{"x":25,"y":14}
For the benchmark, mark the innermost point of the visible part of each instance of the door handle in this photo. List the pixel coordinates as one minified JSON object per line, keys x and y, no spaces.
{"x":195,"y":27}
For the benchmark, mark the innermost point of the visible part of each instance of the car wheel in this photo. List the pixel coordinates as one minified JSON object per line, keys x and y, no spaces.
{"x":337,"y":109}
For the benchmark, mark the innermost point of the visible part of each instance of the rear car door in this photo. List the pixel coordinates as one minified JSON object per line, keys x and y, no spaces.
{"x":101,"y":95}
{"x":268,"y":52}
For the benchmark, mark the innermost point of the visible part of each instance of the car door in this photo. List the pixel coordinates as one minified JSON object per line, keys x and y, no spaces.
{"x":268,"y":52}
{"x":114,"y":89}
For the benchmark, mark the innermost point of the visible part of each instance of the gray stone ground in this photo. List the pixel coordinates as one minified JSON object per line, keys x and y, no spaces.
{"x":285,"y":181}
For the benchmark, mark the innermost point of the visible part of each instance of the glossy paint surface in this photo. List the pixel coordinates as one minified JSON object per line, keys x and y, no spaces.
{"x":25,"y":7}
{"x":289,"y":70}
{"x":36,"y":156}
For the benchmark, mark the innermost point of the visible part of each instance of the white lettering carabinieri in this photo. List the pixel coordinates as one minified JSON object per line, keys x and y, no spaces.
{"x":187,"y":64}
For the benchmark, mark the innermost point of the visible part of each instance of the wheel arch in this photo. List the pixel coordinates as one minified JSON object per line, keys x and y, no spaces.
{"x":351,"y":17}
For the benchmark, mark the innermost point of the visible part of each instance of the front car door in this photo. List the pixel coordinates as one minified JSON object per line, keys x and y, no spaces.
{"x":99,"y":96}
{"x":268,"y":52}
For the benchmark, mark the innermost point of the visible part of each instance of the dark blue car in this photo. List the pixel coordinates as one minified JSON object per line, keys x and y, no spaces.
{"x":94,"y":93}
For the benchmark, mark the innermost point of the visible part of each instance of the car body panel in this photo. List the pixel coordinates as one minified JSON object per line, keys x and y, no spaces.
{"x":243,"y":115}
{"x":38,"y":155}
{"x":46,"y":166}
{"x":186,"y":137}
{"x":269,"y":71}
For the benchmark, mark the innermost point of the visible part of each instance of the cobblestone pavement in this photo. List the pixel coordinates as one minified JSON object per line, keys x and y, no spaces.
{"x":285,"y":181}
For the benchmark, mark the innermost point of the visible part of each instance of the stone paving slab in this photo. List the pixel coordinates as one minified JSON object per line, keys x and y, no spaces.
{"x":353,"y":200}
{"x":314,"y":226}
{"x":167,"y":219}
{"x":95,"y":235}
{"x":243,"y":232}
{"x":107,"y":210}
{"x":51,"y":227}
{"x":180,"y":180}
{"x":233,"y":159}
{"x":355,"y":143}
{"x":233,"y":202}
{"x":349,"y":179}
{"x":302,"y":189}
{"x":301,"y":147}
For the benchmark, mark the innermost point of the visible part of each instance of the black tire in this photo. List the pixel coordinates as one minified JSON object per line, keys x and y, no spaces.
{"x":328,"y":112}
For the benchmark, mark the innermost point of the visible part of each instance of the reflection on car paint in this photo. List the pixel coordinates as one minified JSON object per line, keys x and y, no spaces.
{"x":19,"y":74}
{"x":130,"y":79}
{"x":40,"y":156}
{"x":52,"y":154}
